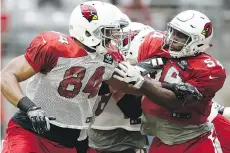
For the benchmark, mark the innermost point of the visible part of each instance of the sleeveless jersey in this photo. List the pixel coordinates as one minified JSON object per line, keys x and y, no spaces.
{"x":68,"y":79}
{"x":108,"y":115}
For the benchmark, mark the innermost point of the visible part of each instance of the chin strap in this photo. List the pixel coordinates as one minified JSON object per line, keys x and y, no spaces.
{"x":101,"y":50}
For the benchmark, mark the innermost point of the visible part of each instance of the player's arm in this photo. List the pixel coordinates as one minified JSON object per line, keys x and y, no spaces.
{"x":198,"y":89}
{"x":170,"y":96}
{"x":121,"y":86}
{"x":167,"y":98}
{"x":145,"y":67}
{"x":148,"y":87}
{"x":23,"y":67}
{"x":183,"y":93}
{"x":164,"y":94}
{"x":17,"y":70}
{"x":38,"y":58}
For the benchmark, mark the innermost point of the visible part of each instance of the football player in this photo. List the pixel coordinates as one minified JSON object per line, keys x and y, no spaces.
{"x":65,"y":75}
{"x":116,"y":127}
{"x":177,"y":120}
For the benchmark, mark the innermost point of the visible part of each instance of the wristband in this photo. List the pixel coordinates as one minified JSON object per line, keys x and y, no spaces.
{"x":168,"y":86}
{"x":25,"y":104}
{"x":172,"y":86}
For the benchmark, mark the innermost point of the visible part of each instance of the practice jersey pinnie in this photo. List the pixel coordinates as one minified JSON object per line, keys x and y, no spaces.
{"x":108,"y":115}
{"x":68,"y":79}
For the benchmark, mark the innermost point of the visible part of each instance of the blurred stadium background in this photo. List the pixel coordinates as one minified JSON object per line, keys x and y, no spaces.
{"x":22,"y":20}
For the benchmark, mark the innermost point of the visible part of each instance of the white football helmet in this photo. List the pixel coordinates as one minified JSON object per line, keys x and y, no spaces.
{"x":138,"y":33}
{"x":96,"y":23}
{"x":192,"y":25}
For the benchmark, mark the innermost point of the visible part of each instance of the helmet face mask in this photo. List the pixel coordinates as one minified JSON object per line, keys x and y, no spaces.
{"x":112,"y":37}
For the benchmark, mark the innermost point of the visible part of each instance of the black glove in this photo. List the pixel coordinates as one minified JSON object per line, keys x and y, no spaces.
{"x":40,"y":121}
{"x":151,"y":65}
{"x":219,"y":107}
{"x":186,"y":89}
{"x":183,"y":91}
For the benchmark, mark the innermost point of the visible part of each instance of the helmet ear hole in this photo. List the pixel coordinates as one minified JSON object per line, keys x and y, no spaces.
{"x":199,"y":45}
{"x":189,"y":40}
{"x":87,"y":33}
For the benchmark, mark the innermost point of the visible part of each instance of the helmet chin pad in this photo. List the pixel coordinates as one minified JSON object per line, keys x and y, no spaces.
{"x":100,"y":49}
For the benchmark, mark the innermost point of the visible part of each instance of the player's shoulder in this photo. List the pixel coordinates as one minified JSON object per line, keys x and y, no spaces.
{"x":157,"y":36}
{"x":152,"y":46}
{"x":206,"y":64}
{"x":154,"y":39}
{"x":51,"y":37}
{"x":61,"y":44}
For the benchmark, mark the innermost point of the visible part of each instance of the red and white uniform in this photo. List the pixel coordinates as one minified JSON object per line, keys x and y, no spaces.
{"x":20,"y":140}
{"x":66,"y":87}
{"x":189,"y":124}
{"x":222,"y":132}
{"x":109,"y":116}
{"x":68,"y":78}
{"x":111,"y":130}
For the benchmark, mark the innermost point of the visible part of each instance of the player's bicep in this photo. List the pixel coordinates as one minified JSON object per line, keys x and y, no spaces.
{"x":20,"y":68}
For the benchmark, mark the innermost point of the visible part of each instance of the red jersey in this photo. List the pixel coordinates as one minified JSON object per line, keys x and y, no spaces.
{"x":68,"y":78}
{"x":202,"y":71}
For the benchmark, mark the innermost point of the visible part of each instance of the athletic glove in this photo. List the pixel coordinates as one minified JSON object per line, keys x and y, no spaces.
{"x":183,"y":90}
{"x":40,"y":121}
{"x":151,"y":65}
{"x":130,"y":74}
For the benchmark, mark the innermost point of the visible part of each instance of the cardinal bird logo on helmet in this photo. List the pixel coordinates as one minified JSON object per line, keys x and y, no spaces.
{"x":89,"y":12}
{"x":207,"y":31}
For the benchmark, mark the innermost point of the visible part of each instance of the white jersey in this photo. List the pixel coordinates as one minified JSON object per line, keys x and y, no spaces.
{"x":68,"y":79}
{"x":108,"y":115}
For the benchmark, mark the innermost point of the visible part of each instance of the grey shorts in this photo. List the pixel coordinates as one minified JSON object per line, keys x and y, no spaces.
{"x":116,"y":140}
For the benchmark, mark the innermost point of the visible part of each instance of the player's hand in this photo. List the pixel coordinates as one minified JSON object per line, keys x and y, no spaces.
{"x":151,"y":65}
{"x":40,"y":121}
{"x":130,"y":74}
{"x":185,"y":90}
